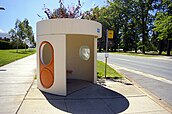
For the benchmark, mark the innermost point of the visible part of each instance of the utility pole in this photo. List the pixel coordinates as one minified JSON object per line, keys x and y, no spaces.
{"x":109,"y":35}
{"x":106,"y":52}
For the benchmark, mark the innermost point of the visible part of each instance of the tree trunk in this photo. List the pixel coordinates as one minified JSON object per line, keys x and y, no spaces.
{"x":99,"y":49}
{"x":25,"y":47}
{"x":135,"y":49}
{"x":143,"y":33}
{"x":144,"y":18}
{"x":17,"y":45}
{"x":135,"y":42}
{"x":160,"y":47}
{"x":168,"y":48}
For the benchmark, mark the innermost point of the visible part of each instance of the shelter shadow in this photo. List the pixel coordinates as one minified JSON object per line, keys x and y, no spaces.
{"x":85,"y":97}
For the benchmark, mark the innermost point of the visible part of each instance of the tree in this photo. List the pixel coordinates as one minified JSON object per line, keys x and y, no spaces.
{"x":21,"y":32}
{"x":63,"y":12}
{"x":14,"y":41}
{"x":163,"y":24}
{"x":133,"y":23}
{"x":145,"y":6}
{"x":16,"y":29}
{"x":28,"y":33}
{"x":100,"y":15}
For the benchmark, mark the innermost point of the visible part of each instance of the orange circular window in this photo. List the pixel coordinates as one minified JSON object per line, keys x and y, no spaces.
{"x":46,"y":64}
{"x":46,"y":78}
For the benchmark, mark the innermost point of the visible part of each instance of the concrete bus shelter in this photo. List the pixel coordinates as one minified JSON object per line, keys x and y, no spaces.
{"x":66,"y":49}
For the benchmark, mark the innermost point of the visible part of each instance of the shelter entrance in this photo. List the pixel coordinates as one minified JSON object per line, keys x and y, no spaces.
{"x":79,"y":60}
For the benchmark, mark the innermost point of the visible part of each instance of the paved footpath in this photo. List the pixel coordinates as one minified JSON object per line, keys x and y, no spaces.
{"x":18,"y":94}
{"x":15,"y":81}
{"x":107,"y":97}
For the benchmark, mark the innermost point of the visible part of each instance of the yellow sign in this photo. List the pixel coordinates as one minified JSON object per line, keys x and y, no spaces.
{"x":110,"y":34}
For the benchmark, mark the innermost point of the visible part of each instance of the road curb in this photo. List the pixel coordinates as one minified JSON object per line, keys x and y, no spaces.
{"x":155,"y":98}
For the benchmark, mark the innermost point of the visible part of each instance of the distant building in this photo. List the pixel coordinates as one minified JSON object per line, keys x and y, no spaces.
{"x":4,"y":36}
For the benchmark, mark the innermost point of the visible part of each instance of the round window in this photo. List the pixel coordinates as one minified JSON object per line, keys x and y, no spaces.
{"x":46,"y":53}
{"x":84,"y":53}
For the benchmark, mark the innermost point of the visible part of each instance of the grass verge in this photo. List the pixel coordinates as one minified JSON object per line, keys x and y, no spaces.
{"x":35,"y":77}
{"x":111,"y":73}
{"x":8,"y":56}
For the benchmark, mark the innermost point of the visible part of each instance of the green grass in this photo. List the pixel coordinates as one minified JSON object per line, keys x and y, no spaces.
{"x":35,"y":77}
{"x":111,"y":73}
{"x":8,"y":56}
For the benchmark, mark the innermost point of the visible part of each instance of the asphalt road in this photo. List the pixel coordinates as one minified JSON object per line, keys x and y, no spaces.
{"x":155,"y":74}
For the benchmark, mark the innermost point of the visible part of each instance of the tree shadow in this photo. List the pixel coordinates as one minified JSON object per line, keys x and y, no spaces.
{"x":101,"y":81}
{"x":20,"y":52}
{"x":85,"y":97}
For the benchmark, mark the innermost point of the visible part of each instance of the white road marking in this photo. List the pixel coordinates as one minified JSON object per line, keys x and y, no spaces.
{"x":142,"y":73}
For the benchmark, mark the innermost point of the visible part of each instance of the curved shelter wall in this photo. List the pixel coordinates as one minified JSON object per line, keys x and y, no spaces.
{"x":69,"y":26}
{"x":64,"y":38}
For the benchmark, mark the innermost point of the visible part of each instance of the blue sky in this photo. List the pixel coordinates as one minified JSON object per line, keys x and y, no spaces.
{"x":21,"y":9}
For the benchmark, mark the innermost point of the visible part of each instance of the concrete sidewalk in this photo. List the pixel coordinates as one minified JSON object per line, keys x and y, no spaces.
{"x":20,"y":95}
{"x":106,"y":97}
{"x":15,"y":81}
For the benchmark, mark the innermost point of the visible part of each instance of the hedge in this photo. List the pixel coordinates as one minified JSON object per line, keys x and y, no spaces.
{"x":8,"y":45}
{"x":5,"y":45}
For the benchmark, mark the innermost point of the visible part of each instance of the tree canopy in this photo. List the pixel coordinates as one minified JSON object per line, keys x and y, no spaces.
{"x":22,"y":34}
{"x":144,"y":25}
{"x":138,"y":24}
{"x":63,"y":12}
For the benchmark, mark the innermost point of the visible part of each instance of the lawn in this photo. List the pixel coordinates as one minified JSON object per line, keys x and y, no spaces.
{"x":8,"y":56}
{"x":111,"y":73}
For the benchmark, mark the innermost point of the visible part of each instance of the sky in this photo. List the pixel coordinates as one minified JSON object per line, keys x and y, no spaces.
{"x":21,"y":9}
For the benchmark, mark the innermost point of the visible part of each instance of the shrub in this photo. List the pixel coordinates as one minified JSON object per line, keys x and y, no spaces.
{"x":63,"y":12}
{"x":10,"y":45}
{"x":5,"y":45}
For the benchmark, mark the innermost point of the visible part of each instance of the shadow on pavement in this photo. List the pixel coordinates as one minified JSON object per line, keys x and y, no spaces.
{"x":85,"y":97}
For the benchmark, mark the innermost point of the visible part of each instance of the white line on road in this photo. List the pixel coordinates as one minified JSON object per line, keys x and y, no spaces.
{"x":142,"y":73}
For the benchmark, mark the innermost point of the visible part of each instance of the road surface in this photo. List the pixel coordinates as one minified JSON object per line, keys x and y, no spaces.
{"x":153,"y":74}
